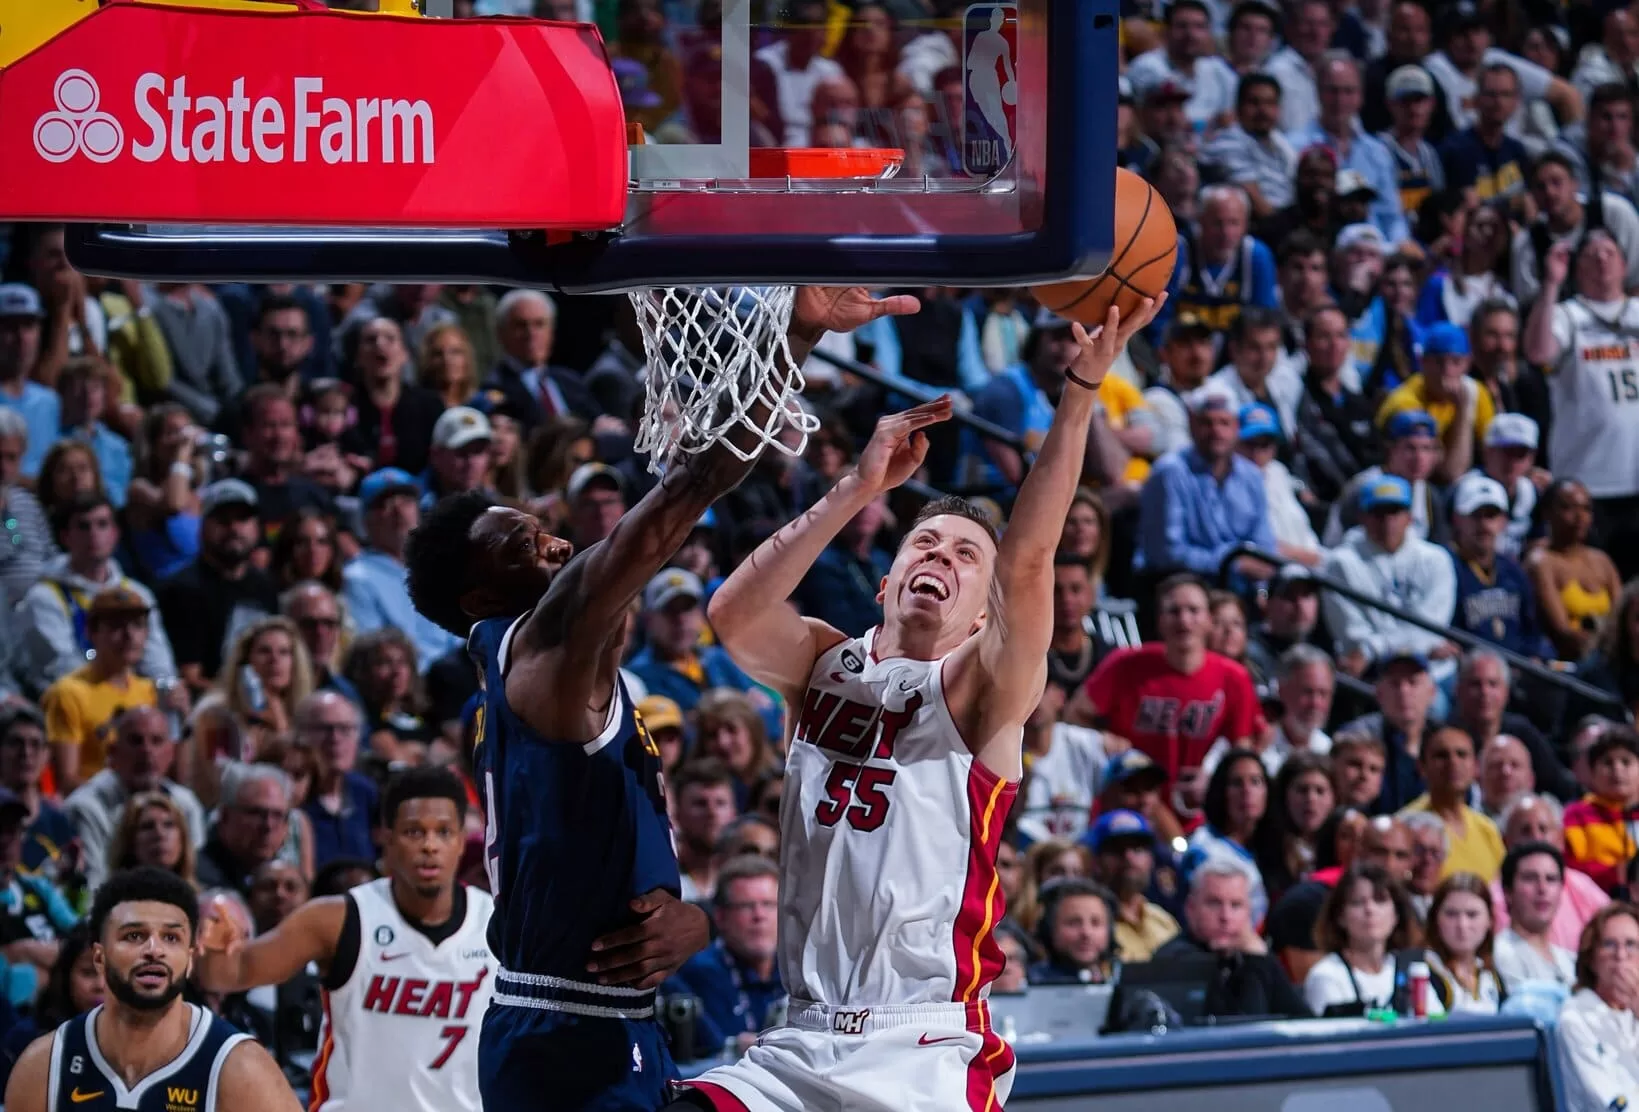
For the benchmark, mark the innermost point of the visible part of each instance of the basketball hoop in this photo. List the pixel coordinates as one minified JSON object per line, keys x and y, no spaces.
{"x":717,"y":357}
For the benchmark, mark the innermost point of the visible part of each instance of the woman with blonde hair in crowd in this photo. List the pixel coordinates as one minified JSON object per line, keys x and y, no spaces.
{"x":253,"y":701}
{"x":153,"y":831}
{"x":1461,"y":928}
{"x":1045,"y":861}
{"x":728,"y":727}
{"x":446,"y":365}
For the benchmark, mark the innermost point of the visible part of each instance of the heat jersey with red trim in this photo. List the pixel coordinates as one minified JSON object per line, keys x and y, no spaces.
{"x":889,"y":893}
{"x":402,"y":1031}
{"x":1172,"y":717}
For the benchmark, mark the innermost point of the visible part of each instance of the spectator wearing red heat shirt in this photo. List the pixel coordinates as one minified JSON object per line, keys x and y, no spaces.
{"x":1172,"y":700}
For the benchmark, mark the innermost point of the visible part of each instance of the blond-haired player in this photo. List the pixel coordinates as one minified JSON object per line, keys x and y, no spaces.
{"x":903,"y":765}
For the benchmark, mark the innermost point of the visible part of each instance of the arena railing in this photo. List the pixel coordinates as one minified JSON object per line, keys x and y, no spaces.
{"x":1521,"y":665}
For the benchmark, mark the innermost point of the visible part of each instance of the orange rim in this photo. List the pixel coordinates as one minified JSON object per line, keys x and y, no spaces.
{"x":825,"y":162}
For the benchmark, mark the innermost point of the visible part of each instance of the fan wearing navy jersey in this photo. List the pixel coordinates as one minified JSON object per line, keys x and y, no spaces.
{"x":588,"y":919}
{"x":144,"y":1048}
{"x":403,"y":961}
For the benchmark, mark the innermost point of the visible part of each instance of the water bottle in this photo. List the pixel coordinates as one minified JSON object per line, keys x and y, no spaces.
{"x":1417,"y":976}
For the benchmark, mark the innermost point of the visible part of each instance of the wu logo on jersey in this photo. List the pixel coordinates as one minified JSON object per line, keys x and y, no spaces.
{"x":990,"y":86}
{"x":181,"y":1100}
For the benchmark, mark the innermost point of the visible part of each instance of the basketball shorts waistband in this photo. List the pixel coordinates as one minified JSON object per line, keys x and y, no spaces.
{"x":836,"y":1019}
{"x":560,"y":994}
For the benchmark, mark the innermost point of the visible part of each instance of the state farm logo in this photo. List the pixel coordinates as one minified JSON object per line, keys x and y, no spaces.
{"x":78,"y":126}
{"x":180,"y":127}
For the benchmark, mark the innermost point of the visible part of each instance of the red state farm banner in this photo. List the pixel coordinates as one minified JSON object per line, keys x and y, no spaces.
{"x":143,"y":113}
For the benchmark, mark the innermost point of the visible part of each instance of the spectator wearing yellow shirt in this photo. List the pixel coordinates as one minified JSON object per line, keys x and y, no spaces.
{"x":1447,"y":765}
{"x":1443,"y":390}
{"x":80,"y":708}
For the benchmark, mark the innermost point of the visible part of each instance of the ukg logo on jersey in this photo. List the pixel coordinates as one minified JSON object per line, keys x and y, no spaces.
{"x":172,"y":123}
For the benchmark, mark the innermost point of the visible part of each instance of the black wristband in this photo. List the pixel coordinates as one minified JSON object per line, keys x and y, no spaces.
{"x":1079,"y":381}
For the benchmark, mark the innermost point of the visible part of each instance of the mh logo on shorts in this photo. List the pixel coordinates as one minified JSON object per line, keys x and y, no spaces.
{"x":990,"y":86}
{"x":77,"y":125}
{"x":850,"y":1023}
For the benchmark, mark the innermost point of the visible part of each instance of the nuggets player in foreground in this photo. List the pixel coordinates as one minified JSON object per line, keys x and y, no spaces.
{"x":587,"y":916}
{"x":144,"y":1048}
{"x":403,"y":960}
{"x":904,"y":763}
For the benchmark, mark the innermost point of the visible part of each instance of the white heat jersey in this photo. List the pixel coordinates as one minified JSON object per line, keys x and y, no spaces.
{"x":402,"y":1032}
{"x":889,"y":893}
{"x":1594,"y":388}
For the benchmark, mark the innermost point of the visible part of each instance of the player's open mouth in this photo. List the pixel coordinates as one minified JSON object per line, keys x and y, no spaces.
{"x":152,"y":976}
{"x":926,"y":586}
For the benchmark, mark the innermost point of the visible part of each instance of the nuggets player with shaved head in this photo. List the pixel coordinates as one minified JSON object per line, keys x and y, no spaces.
{"x":144,"y":1048}
{"x":588,"y":919}
{"x":404,"y":962}
{"x":905,"y":761}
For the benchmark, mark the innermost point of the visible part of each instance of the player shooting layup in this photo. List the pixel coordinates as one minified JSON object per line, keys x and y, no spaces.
{"x":587,"y":918}
{"x":900,"y":775}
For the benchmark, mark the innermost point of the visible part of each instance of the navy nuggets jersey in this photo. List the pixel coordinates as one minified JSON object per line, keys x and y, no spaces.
{"x":574,"y":833}
{"x":81,"y":1080}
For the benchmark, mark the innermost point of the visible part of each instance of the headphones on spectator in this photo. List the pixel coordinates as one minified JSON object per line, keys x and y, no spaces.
{"x":1055,"y":892}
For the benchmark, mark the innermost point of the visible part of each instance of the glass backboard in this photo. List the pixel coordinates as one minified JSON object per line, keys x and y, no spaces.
{"x":984,"y":134}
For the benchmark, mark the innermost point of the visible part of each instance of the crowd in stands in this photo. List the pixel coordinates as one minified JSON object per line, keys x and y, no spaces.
{"x":1400,"y":356}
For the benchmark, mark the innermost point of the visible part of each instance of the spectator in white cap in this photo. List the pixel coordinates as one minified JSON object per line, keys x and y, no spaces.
{"x":1203,"y":501}
{"x":1495,"y":599}
{"x":1189,"y":56}
{"x":1508,"y":457}
{"x":673,"y":662}
{"x":1251,"y":152}
{"x":1409,"y":92}
{"x":1337,"y":126}
{"x":460,"y":457}
{"x":20,"y":316}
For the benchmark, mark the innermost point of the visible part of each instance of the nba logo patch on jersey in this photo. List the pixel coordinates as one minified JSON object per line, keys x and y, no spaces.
{"x":990,"y":86}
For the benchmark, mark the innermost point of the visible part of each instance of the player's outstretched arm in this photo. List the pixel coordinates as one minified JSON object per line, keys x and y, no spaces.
{"x":587,"y":602}
{"x":27,"y":1087}
{"x":252,"y":1081}
{"x":227,"y":961}
{"x":1012,"y":652}
{"x":766,"y":638}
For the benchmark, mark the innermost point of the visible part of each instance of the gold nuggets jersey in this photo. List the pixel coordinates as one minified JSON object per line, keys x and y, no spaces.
{"x":402,"y":1031}
{"x":889,"y":893}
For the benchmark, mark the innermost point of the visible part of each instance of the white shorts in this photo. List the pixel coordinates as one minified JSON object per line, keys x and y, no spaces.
{"x":917,"y":1058}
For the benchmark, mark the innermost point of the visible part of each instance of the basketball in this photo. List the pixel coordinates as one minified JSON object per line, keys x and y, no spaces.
{"x":1146,"y":247}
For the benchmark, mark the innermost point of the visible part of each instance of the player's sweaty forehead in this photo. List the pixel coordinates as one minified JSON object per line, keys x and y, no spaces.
{"x":952,"y":527}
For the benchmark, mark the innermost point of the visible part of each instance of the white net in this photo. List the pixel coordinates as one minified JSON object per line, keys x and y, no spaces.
{"x":718,"y":362}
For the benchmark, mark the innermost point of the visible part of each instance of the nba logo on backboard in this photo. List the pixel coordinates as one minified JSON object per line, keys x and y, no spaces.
{"x":990,"y":100}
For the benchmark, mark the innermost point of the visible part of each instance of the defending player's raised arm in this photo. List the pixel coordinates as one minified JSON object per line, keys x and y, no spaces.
{"x":227,"y":961}
{"x":589,"y":599}
{"x":1013,"y":651}
{"x":766,"y":638}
